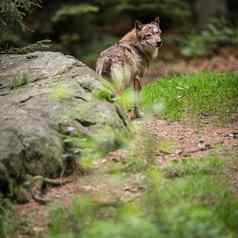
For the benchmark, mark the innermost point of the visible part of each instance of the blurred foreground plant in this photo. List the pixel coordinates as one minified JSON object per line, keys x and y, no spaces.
{"x":198,"y":200}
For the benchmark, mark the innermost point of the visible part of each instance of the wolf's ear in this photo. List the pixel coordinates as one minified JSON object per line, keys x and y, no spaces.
{"x":138,"y":25}
{"x":157,"y":20}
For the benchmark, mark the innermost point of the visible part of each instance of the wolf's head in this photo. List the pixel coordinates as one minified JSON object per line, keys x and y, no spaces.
{"x":149,"y":36}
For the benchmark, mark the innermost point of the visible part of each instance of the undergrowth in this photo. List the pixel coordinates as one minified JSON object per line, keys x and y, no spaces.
{"x":190,"y":198}
{"x":190,"y":96}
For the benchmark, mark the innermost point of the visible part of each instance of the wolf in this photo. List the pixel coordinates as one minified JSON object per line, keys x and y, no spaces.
{"x":127,"y":59}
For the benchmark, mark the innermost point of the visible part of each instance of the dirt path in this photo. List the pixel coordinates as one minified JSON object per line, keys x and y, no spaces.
{"x":179,"y":140}
{"x":176,"y":141}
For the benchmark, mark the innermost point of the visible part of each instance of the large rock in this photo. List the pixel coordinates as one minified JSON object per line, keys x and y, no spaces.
{"x":40,"y":93}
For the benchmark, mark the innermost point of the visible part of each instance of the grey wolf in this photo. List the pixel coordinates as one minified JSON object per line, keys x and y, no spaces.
{"x":127,"y":59}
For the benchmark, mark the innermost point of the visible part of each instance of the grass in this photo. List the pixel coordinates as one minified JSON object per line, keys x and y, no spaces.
{"x":190,"y":96}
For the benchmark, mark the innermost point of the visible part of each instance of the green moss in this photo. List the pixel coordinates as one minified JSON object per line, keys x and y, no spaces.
{"x":61,"y":93}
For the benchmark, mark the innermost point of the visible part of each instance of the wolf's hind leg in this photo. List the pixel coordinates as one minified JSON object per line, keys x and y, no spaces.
{"x":137,"y":88}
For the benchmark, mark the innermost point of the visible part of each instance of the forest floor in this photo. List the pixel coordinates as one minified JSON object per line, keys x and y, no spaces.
{"x":177,"y":141}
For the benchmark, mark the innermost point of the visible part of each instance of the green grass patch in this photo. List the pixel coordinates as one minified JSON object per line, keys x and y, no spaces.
{"x":194,"y":96}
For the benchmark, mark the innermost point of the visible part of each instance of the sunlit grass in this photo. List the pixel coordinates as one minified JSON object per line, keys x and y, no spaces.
{"x":190,"y":96}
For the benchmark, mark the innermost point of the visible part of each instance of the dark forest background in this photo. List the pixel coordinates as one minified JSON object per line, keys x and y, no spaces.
{"x":84,"y":27}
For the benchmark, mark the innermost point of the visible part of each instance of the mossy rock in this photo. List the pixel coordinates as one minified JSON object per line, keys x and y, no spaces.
{"x":59,"y":90}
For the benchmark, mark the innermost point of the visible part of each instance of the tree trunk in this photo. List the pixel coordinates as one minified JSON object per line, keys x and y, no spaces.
{"x":206,"y":9}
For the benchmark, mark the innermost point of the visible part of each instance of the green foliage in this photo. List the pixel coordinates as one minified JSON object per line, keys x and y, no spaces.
{"x":194,"y":96}
{"x":177,"y":9}
{"x":13,"y":12}
{"x":218,"y":33}
{"x":74,"y":10}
